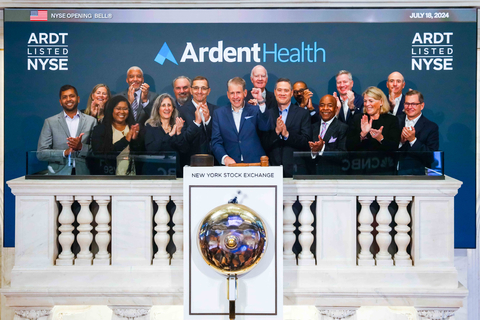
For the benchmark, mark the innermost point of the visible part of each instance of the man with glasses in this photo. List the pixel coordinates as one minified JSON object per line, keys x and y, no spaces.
{"x":418,"y":134}
{"x":303,"y":98}
{"x":181,"y":88}
{"x":259,"y":78}
{"x":197,"y":114}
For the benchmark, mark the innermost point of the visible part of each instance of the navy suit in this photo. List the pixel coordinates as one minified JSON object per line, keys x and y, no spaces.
{"x":145,"y":112}
{"x":358,"y":103}
{"x":270,"y":100}
{"x":313,"y":117}
{"x":226,"y":140}
{"x":279,"y":150}
{"x":400,"y":106}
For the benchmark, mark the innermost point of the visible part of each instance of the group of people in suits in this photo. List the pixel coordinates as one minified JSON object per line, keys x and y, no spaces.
{"x":255,"y":123}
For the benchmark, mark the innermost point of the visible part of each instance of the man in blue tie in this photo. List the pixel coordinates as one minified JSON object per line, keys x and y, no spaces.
{"x":139,"y":95}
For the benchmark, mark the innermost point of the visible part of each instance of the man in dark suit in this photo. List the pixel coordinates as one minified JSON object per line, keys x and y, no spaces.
{"x":303,"y":98}
{"x":139,"y":95}
{"x":64,"y":140}
{"x":259,"y":78}
{"x":198,"y":128}
{"x":329,"y":134}
{"x":348,"y":102}
{"x":395,"y":85}
{"x":234,"y":127}
{"x":292,"y":129}
{"x":418,"y":134}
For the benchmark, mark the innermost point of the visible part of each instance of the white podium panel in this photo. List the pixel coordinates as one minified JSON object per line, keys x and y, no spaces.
{"x":260,"y":291}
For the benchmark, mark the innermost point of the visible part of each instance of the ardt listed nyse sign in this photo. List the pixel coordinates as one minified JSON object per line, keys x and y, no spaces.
{"x":432,"y":51}
{"x":47,"y":51}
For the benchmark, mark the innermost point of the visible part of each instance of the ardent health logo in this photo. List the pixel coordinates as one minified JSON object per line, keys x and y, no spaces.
{"x":165,"y":54}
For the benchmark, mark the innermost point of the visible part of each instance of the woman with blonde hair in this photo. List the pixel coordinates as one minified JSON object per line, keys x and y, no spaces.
{"x":97,"y":100}
{"x":376,"y":129}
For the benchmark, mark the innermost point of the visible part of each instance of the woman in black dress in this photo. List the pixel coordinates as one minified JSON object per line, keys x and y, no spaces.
{"x":376,"y":129}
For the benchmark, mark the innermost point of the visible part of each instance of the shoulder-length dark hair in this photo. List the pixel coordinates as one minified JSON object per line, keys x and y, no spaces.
{"x":107,"y":143}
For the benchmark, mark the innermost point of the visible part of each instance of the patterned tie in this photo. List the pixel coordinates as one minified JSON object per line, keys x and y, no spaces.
{"x":324,"y":129}
{"x":135,"y":106}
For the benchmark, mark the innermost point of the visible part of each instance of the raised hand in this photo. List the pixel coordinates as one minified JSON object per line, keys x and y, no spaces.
{"x":173,"y":131}
{"x":134,"y":129}
{"x":279,"y":126}
{"x":253,"y":102}
{"x":339,"y":103}
{"x":179,"y":122}
{"x":351,"y":98}
{"x":365,"y":126}
{"x":307,"y":101}
{"x":257,"y":94}
{"x":377,"y":134}
{"x":75,"y":143}
{"x":205,"y":111}
{"x":408,"y":133}
{"x":316,"y":146}
{"x":131,"y":94}
{"x":145,"y":88}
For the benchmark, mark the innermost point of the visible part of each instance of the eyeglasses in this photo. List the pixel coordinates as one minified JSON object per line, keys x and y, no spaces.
{"x":299,"y":91}
{"x":413,"y":104}
{"x":200,"y":88}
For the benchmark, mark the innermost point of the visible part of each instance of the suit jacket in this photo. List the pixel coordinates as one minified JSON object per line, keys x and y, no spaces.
{"x":145,"y":112}
{"x":226,"y":140}
{"x":53,"y":141}
{"x":336,"y":136}
{"x":270,"y":99}
{"x":358,"y":103}
{"x":400,"y":106}
{"x":279,"y":150}
{"x":313,"y":117}
{"x":197,"y":137}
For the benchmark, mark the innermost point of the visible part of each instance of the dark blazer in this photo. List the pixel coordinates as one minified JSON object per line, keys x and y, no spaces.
{"x":270,"y":99}
{"x":279,"y":150}
{"x":226,"y":140}
{"x":106,"y":164}
{"x":313,"y":117}
{"x":400,"y":106}
{"x":198,"y":137}
{"x":358,"y":103}
{"x":336,"y":136}
{"x":145,"y":112}
{"x":426,"y":133}
{"x":391,"y":133}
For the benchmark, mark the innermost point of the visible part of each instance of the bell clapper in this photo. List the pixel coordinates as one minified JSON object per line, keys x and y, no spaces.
{"x":232,"y":294}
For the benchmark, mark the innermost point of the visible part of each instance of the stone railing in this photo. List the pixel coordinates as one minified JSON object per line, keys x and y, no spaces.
{"x":120,"y":243}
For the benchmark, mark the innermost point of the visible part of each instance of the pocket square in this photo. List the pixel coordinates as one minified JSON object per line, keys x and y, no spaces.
{"x":332,"y":140}
{"x":248,"y":117}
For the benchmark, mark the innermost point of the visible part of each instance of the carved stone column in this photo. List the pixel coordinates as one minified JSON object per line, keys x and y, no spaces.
{"x":102,"y":258}
{"x":365,"y":238}
{"x":177,"y":218}
{"x":66,"y":237}
{"x":306,"y":257}
{"x":383,"y":238}
{"x":402,"y":239}
{"x":162,"y":237}
{"x":288,"y":232}
{"x":85,"y":236}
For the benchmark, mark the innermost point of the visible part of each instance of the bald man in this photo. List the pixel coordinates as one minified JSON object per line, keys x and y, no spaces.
{"x":395,"y":85}
{"x":259,"y":78}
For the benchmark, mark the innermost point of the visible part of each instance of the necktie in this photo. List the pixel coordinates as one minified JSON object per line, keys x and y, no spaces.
{"x":324,"y":129}
{"x":135,"y":106}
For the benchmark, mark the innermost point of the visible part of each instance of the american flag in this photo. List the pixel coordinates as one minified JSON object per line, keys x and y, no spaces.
{"x":39,"y":15}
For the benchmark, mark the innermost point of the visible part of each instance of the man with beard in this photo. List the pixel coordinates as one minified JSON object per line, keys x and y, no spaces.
{"x":181,"y":88}
{"x":139,"y":95}
{"x":64,"y":140}
{"x":303,"y":98}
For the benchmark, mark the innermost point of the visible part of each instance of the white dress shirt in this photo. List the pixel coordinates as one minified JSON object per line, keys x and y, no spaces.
{"x":410,"y":124}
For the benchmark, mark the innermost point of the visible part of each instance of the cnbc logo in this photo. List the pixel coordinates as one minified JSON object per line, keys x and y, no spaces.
{"x":272,"y":52}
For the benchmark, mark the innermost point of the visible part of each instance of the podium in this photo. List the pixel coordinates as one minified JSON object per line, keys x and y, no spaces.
{"x":260,"y":291}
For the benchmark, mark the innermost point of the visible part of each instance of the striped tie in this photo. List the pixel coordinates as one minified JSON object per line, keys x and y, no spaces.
{"x":135,"y":106}
{"x":324,"y":128}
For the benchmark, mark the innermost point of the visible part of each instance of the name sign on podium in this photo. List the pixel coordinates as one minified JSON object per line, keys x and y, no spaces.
{"x":207,"y":291}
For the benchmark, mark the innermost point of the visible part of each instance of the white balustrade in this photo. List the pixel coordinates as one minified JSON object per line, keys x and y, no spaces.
{"x":383,"y":238}
{"x":365,"y":238}
{"x":402,"y":239}
{"x":102,"y":238}
{"x":335,"y":277}
{"x":66,"y":237}
{"x":306,"y":258}
{"x":288,"y":231}
{"x":85,"y":236}
{"x":162,"y":257}
{"x":177,"y":218}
